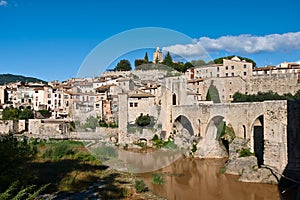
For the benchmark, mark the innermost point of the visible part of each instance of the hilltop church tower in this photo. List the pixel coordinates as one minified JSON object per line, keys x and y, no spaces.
{"x":157,"y":55}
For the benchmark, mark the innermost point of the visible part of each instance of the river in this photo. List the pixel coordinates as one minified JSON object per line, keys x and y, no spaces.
{"x":188,"y":179}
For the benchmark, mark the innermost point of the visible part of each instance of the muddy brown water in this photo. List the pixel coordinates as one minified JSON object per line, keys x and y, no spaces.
{"x":188,"y":179}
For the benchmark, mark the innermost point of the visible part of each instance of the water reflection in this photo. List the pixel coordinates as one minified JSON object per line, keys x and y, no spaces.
{"x":201,"y":179}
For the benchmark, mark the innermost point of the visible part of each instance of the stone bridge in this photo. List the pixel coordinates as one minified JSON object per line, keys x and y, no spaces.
{"x":269,"y":126}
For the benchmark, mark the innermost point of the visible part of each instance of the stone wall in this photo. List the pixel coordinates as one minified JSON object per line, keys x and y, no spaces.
{"x":6,"y":126}
{"x":280,"y":83}
{"x":12,"y":126}
{"x":43,"y":127}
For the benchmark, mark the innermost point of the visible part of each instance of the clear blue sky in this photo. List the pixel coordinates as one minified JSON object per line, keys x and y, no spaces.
{"x":50,"y":39}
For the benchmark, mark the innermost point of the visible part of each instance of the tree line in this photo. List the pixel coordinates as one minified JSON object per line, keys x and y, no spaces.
{"x":264,"y":96}
{"x":124,"y":65}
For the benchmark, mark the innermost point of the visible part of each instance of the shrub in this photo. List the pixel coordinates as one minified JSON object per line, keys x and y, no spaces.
{"x":159,"y":143}
{"x":113,"y":125}
{"x":14,"y":154}
{"x":103,"y":124}
{"x":143,"y":120}
{"x":72,"y":126}
{"x":140,"y":185}
{"x":45,"y":113}
{"x":222,"y":170}
{"x":194,"y":149}
{"x":158,"y":179}
{"x":246,"y":153}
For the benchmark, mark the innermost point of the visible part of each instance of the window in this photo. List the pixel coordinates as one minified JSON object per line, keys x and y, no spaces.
{"x":230,"y":96}
{"x":232,"y":67}
{"x":245,"y":73}
{"x":232,"y":74}
{"x":97,"y":105}
{"x":245,"y":66}
{"x":218,"y":69}
{"x":36,"y":91}
{"x":131,"y":104}
{"x":49,"y":95}
{"x":226,"y":74}
{"x":49,"y":102}
{"x":226,"y":67}
{"x":22,"y":100}
{"x":135,"y":104}
{"x":218,"y":75}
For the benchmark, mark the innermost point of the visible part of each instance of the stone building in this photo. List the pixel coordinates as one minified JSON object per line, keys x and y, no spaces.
{"x":157,"y":56}
{"x":3,"y":94}
{"x":140,"y":103}
{"x":230,"y":68}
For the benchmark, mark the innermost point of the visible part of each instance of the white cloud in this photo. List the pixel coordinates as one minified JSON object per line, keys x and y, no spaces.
{"x":3,"y":3}
{"x":248,"y":44}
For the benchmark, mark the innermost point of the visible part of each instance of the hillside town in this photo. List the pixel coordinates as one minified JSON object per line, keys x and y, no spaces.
{"x":78,"y":98}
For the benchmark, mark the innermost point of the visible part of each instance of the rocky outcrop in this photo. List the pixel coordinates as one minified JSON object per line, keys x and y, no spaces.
{"x":210,"y":148}
{"x":237,"y":166}
{"x":258,"y":175}
{"x":247,"y":167}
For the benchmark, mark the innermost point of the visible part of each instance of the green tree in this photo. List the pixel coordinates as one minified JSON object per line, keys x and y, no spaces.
{"x":91,"y":122}
{"x":123,"y":65}
{"x":139,"y":62}
{"x":26,"y":114}
{"x":213,"y":94}
{"x":146,"y":59}
{"x":168,"y":60}
{"x":10,"y":113}
{"x":15,"y":113}
{"x":188,"y":65}
{"x":198,"y":62}
{"x":220,"y":60}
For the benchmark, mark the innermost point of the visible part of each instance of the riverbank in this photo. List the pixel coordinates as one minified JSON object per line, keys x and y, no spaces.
{"x":62,"y":169}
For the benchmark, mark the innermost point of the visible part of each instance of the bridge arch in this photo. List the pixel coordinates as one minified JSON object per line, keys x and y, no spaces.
{"x":182,"y":123}
{"x":214,"y":126}
{"x":257,"y":138}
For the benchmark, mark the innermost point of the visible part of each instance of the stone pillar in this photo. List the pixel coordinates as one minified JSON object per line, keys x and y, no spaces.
{"x":166,"y":106}
{"x":275,"y":134}
{"x":123,"y":112}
